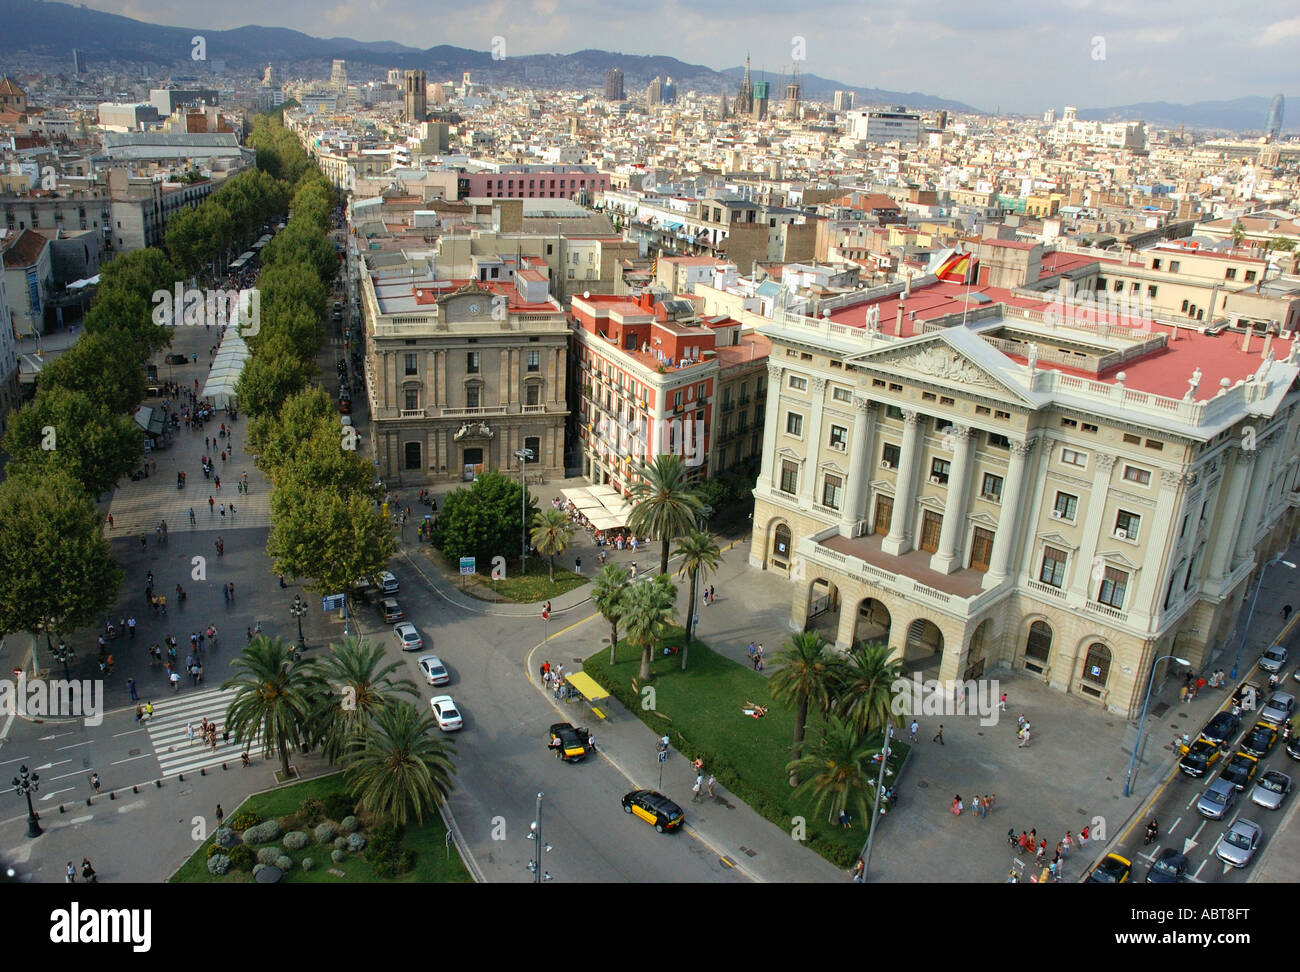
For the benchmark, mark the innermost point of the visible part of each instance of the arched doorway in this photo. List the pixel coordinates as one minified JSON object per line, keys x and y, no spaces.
{"x":823,"y":609}
{"x":1096,"y":670}
{"x":977,"y":650}
{"x":781,"y":551}
{"x":924,"y":646}
{"x":1038,"y":647}
{"x":874,"y":622}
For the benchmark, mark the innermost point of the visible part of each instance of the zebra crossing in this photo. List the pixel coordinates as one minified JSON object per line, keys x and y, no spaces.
{"x":170,"y":738}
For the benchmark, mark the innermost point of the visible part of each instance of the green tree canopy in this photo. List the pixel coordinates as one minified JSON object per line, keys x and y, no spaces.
{"x":551,"y":535}
{"x":666,"y":503}
{"x":277,"y":438}
{"x":327,"y":540}
{"x":483,"y":521}
{"x":270,"y":378}
{"x":807,"y":675}
{"x":272,"y":703}
{"x":103,"y":368}
{"x":63,"y":429}
{"x":360,"y":684}
{"x":609,"y":594}
{"x":649,"y":606}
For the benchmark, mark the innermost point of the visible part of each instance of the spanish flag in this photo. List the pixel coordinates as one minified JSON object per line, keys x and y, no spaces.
{"x":958,"y":268}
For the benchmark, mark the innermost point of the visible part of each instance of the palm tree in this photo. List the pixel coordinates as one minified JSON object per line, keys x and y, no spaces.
{"x":807,"y":674}
{"x":1280,"y":244}
{"x":609,"y":594}
{"x":274,"y":697}
{"x":400,"y":765}
{"x":1238,"y":234}
{"x":838,"y":770}
{"x":700,"y":555}
{"x":865,"y":690}
{"x":666,"y":503}
{"x":648,"y":608}
{"x":365,"y":686}
{"x":551,"y":535}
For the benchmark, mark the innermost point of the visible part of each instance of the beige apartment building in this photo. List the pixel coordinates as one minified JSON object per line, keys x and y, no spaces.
{"x":986,"y":488}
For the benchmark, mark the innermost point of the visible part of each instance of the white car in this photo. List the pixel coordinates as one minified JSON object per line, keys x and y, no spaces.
{"x":432,"y":668}
{"x":387,"y":582}
{"x":408,"y":639}
{"x":445,"y":711}
{"x":1274,"y":658}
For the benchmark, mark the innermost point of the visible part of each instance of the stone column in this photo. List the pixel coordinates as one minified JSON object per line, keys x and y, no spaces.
{"x":770,"y":435}
{"x":860,"y":453}
{"x":813,"y":444}
{"x":947,"y":559}
{"x":900,"y":527}
{"x":1232,"y":487}
{"x":1082,"y":575}
{"x":1009,"y":525}
{"x":1255,"y":500}
{"x":1150,"y":597}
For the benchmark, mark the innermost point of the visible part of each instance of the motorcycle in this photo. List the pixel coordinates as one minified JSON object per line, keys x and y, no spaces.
{"x":1152,"y":833}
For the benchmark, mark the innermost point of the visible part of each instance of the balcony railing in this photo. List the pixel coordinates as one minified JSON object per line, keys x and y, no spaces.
{"x":1047,"y":589}
{"x":533,"y":409}
{"x":412,"y":413}
{"x":1106,"y":611}
{"x":468,"y":412}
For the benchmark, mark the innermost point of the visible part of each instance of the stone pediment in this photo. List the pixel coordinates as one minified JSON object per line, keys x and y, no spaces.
{"x":789,"y":453}
{"x":953,"y":356}
{"x":983,"y":519}
{"x":833,"y":467}
{"x":1118,"y":559}
{"x":1056,"y":540}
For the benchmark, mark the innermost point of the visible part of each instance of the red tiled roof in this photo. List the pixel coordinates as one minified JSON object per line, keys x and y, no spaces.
{"x":25,"y":250}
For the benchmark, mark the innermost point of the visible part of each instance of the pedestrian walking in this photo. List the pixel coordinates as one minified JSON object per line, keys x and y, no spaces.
{"x":110,"y":521}
{"x":176,"y":682}
{"x":217,"y":480}
{"x":221,"y":815}
{"x":189,"y":729}
{"x":221,"y":545}
{"x":223,"y":511}
{"x":859,"y":871}
{"x":1286,"y":611}
{"x":712,"y":780}
{"x":975,"y":806}
{"x":985,"y":806}
{"x":130,"y":687}
{"x":71,"y":874}
{"x":712,"y":596}
{"x":938,"y":736}
{"x":191,"y":516}
{"x":211,"y":504}
{"x":913,"y":729}
{"x":957,"y":806}
{"x":1024,"y":739}
{"x":1003,"y":703}
{"x":751,"y":651}
{"x":94,"y":781}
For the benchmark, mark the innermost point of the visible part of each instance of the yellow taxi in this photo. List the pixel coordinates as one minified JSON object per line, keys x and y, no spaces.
{"x":655,"y":809}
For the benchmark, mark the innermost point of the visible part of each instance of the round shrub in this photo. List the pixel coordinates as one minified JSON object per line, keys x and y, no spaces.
{"x":311,"y":810}
{"x":242,"y":857}
{"x":225,"y":837}
{"x":324,"y":833}
{"x":340,"y":843}
{"x":349,"y":824}
{"x":243,"y":820}
{"x":338,"y":805}
{"x":308,"y":863}
{"x":338,"y":856}
{"x":294,"y":840}
{"x":214,"y":849}
{"x":395,"y":865}
{"x":218,"y":864}
{"x":356,"y":842}
{"x":267,"y":855}
{"x":263,"y":833}
{"x":284,"y":862}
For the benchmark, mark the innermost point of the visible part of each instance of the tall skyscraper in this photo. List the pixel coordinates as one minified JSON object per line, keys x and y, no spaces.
{"x":1274,"y":124}
{"x":614,"y":85}
{"x":270,"y":77}
{"x":415,"y":104}
{"x":78,"y":61}
{"x":668,"y":93}
{"x":760,"y":99}
{"x":339,"y":76}
{"x":844,"y":101}
{"x":654,"y":93}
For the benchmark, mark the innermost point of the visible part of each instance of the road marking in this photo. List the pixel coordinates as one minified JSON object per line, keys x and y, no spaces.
{"x":20,"y":759}
{"x":46,"y":766}
{"x":64,"y":776}
{"x":127,"y":808}
{"x":129,"y":732}
{"x":1175,"y":826}
{"x":1191,"y":842}
{"x":129,"y":759}
{"x":54,"y":736}
{"x":80,"y":820}
{"x":74,"y":745}
{"x":1197,"y":873}
{"x":51,"y":796}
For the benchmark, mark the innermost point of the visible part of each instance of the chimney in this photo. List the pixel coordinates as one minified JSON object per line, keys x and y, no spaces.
{"x":898,"y":321}
{"x":1250,"y":332}
{"x":1268,"y":342}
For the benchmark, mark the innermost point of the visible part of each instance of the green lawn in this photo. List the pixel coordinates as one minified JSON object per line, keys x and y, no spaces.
{"x":700,"y":710}
{"x":433,"y":865}
{"x":532,"y":587}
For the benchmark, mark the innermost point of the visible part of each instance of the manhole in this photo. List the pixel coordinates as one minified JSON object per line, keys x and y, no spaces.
{"x":749,"y":853}
{"x":923,"y":785}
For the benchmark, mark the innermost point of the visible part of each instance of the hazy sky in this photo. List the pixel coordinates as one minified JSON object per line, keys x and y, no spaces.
{"x":1023,"y":56}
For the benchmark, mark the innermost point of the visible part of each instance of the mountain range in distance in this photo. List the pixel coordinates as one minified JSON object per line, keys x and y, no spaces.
{"x":52,"y":29}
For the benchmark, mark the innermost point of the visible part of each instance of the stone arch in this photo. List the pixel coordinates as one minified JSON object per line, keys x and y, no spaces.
{"x":778,"y":546}
{"x":1096,"y":665}
{"x":873,"y":622}
{"x":977,"y":649}
{"x":923,"y":645}
{"x":1036,"y":642}
{"x":823,"y":608}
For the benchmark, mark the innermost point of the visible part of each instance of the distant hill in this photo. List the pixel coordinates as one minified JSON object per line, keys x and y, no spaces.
{"x":1238,"y":115}
{"x":819,"y":88}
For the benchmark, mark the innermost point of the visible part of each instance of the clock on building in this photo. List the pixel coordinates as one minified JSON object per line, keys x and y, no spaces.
{"x":473,"y":308}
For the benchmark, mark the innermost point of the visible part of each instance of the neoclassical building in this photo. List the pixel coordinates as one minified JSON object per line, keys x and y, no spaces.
{"x":987,"y":487}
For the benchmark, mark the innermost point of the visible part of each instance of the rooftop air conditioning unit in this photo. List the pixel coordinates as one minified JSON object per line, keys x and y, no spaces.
{"x":1057,"y":515}
{"x":886,"y":464}
{"x":1121,"y":534}
{"x":935,"y":480}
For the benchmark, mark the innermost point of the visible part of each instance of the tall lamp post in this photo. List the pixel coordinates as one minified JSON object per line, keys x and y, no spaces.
{"x":525,"y":456}
{"x":297,"y":609}
{"x":880,"y":785}
{"x":25,"y":785}
{"x":1137,"y":744}
{"x":1241,"y":647}
{"x":62,"y":654}
{"x":535,"y":834}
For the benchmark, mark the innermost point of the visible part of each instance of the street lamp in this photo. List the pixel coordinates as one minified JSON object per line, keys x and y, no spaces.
{"x":297,"y":609}
{"x":880,"y":784}
{"x":1241,"y":647}
{"x":525,"y":456}
{"x":1137,"y":743}
{"x":535,"y":834}
{"x":25,"y":785}
{"x":62,"y":654}
{"x":706,"y":511}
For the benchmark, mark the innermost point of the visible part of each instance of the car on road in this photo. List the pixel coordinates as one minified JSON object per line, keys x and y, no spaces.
{"x":1113,"y":869}
{"x":445,"y":711}
{"x":1259,"y":741}
{"x":345,"y":406}
{"x":1218,"y":798}
{"x":407,"y":637}
{"x":1247,"y":696}
{"x":1293,"y":747}
{"x":1271,"y":790}
{"x":1221,"y":728}
{"x":1239,"y":844}
{"x":1169,"y":868}
{"x":387,"y":582}
{"x":177,"y":359}
{"x":1273,"y":659}
{"x":1278,"y":708}
{"x":1199,"y":757}
{"x":655,"y":809}
{"x":392,"y":610}
{"x":1240,"y":770}
{"x":433,"y":670}
{"x":568,"y":743}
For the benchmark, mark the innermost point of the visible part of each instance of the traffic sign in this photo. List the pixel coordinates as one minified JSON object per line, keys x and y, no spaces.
{"x":332,"y":602}
{"x":466,"y":565}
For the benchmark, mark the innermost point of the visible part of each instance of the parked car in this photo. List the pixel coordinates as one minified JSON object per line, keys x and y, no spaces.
{"x":1278,"y":708}
{"x":1221,"y":728}
{"x":387,"y":582}
{"x":1169,"y":868}
{"x":434,"y":671}
{"x":568,"y":743}
{"x":1293,"y":747}
{"x":408,"y":639}
{"x":1199,"y":757}
{"x":1218,"y":798}
{"x":1113,"y":869}
{"x":1259,"y":741}
{"x":1274,"y":658}
{"x":655,"y":809}
{"x":446,"y":713}
{"x":1271,"y":790}
{"x":1237,"y":847}
{"x":392,"y":610}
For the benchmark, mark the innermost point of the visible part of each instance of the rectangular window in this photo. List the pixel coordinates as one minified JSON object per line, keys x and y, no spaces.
{"x":1001,"y":415}
{"x":1070,"y":423}
{"x":1053,"y":569}
{"x":1113,"y":584}
{"x":1151,"y":290}
{"x":471,"y":362}
{"x":998,"y":440}
{"x":412,"y":399}
{"x":1072,"y":458}
{"x":534,"y":391}
{"x":939,"y":469}
{"x":890,"y":455}
{"x":793,"y":423}
{"x":798,"y":384}
{"x":877,"y":383}
{"x":1088,"y":427}
{"x":1132,"y":474}
{"x":1153,"y":444}
{"x":893,"y":412}
{"x":981,"y":549}
{"x":983,"y":410}
{"x":992,"y":488}
{"x":1250,"y":275}
{"x":839,"y":438}
{"x":946,"y":401}
{"x":1127,"y":524}
{"x":841,"y":395}
{"x":1155,"y":264}
{"x":1173,"y":266}
{"x":534,"y":360}
{"x":1066,"y":506}
{"x":411,"y":366}
{"x":677,"y":400}
{"x":1131,"y":439}
{"x":929,"y":397}
{"x":471,"y":396}
{"x":789,"y":476}
{"x":831,"y":491}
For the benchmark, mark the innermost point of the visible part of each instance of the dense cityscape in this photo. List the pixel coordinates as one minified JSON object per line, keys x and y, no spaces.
{"x":790,"y":456}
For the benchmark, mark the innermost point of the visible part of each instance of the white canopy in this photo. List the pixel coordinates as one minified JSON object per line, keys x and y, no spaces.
{"x":223,"y":376}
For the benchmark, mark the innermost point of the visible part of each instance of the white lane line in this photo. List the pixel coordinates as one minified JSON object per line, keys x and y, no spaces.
{"x":52,"y":795}
{"x":130,"y":759}
{"x":74,"y":745}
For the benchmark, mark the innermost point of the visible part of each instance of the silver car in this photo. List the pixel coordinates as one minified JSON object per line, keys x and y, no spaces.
{"x":1273,"y":659}
{"x":1239,"y":844}
{"x":1217,"y":800}
{"x":1278,"y":708}
{"x":1271,"y":790}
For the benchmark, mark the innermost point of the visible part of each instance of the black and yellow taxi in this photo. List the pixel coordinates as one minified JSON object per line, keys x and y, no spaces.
{"x":655,"y":809}
{"x":1240,"y":770}
{"x":1113,"y":869}
{"x":568,"y":743}
{"x":1259,"y":741}
{"x":1199,"y":757}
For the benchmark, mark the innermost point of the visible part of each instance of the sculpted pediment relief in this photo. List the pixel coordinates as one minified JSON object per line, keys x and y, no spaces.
{"x":942,"y":362}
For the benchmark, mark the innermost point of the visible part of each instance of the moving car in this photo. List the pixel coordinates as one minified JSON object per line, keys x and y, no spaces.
{"x":1259,"y":741}
{"x":1199,"y":757}
{"x":1271,"y":790}
{"x":392,"y":610}
{"x":1240,"y":770}
{"x":434,"y":671}
{"x":345,"y":406}
{"x":177,"y":359}
{"x":1217,"y":800}
{"x":655,"y":809}
{"x":1221,"y":728}
{"x":445,"y":711}
{"x":1278,"y":708}
{"x":407,"y":637}
{"x":1169,"y":868}
{"x":1113,"y":869}
{"x":387,"y":582}
{"x":1239,"y":844}
{"x":568,"y":743}
{"x":1293,"y":747}
{"x":1274,"y":658}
